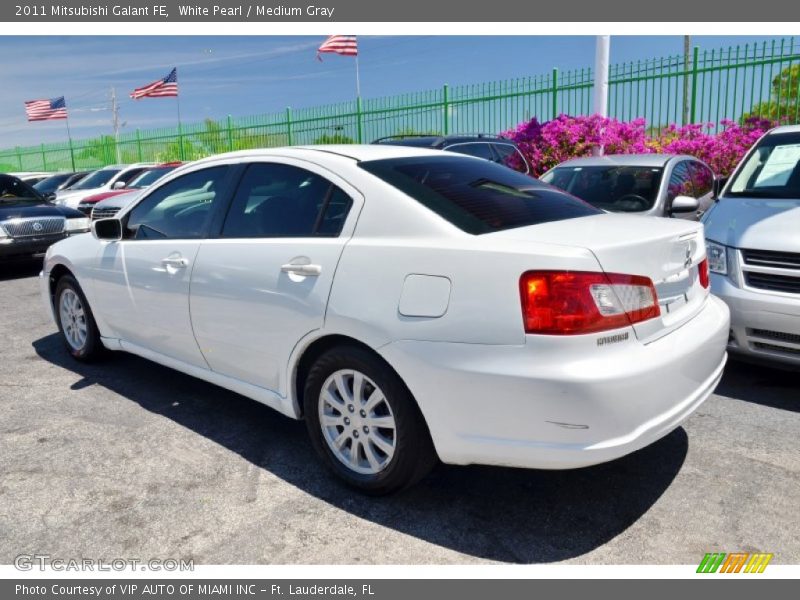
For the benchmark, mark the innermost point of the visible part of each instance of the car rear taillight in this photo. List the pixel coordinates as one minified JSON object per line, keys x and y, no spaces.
{"x":575,"y":302}
{"x":702,"y":272}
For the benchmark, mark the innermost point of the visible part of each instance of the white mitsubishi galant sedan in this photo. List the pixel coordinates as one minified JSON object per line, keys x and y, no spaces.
{"x":409,"y":304}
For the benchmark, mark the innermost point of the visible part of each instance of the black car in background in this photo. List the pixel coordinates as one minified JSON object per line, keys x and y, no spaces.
{"x":483,"y":145}
{"x":59,"y":181}
{"x":29,"y":224}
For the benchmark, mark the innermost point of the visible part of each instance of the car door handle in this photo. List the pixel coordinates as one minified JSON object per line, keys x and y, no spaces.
{"x":305,"y":270}
{"x":176,"y":262}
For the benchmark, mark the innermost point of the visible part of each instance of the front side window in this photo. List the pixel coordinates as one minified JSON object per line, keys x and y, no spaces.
{"x":129,"y":175}
{"x":179,"y":209}
{"x":702,"y":179}
{"x":772,"y":170}
{"x":477,"y":196}
{"x":511,"y":157}
{"x":277,"y":200}
{"x":680,"y":183}
{"x":611,"y":188}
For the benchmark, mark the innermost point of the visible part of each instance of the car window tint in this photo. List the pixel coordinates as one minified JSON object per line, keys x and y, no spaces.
{"x":179,"y":209}
{"x":277,"y":200}
{"x":477,"y":196}
{"x":680,"y":182}
{"x":479,"y":149}
{"x":702,"y":178}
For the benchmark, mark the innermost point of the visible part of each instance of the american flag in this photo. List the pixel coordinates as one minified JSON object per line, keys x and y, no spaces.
{"x":44,"y":110}
{"x":161,"y":88}
{"x":345,"y":45}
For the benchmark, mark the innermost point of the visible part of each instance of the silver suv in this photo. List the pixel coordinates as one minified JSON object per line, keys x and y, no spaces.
{"x":753,"y":239}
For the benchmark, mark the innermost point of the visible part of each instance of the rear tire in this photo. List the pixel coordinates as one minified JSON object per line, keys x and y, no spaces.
{"x":75,"y":321}
{"x":364,"y":422}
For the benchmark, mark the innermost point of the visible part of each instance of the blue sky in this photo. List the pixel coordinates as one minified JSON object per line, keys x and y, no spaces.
{"x":251,"y":75}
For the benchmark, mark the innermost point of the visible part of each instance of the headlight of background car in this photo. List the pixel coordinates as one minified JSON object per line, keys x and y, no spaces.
{"x":717,"y":257}
{"x":79,"y":225}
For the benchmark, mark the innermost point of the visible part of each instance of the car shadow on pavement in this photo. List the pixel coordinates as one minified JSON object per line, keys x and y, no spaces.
{"x":501,"y":514}
{"x":20,"y":270}
{"x":761,"y":384}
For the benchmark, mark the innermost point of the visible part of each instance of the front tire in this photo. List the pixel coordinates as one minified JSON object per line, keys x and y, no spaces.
{"x":364,"y":423}
{"x":75,"y":321}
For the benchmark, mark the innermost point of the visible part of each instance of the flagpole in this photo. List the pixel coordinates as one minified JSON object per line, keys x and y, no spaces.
{"x":69,"y":139}
{"x":358,"y":80}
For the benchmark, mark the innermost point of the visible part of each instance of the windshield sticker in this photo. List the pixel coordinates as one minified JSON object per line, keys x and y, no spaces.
{"x":779,"y":166}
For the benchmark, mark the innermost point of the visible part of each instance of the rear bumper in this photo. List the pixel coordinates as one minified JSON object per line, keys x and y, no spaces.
{"x":562,"y":403}
{"x":24,"y":248}
{"x":764,"y":326}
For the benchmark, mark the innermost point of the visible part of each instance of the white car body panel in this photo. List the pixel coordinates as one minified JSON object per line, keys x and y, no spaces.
{"x":442,"y":307}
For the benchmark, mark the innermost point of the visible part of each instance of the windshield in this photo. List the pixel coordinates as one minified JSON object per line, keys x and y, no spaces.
{"x":612,"y":188}
{"x":50,"y":184}
{"x":13,"y":191}
{"x":771,"y":170}
{"x":477,"y":196}
{"x":95,"y":180}
{"x":148,"y":178}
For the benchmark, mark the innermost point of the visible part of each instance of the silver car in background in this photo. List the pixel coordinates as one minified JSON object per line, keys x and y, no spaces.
{"x":753,"y":240}
{"x":655,"y":185}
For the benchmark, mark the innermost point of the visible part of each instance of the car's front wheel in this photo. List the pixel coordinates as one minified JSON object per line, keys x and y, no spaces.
{"x":364,"y":422}
{"x":75,"y":320}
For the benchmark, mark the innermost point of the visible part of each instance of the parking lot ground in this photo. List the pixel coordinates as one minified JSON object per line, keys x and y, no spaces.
{"x":129,"y":459}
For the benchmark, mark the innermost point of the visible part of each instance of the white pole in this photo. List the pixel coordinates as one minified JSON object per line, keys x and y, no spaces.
{"x":601,"y":63}
{"x":115,"y":121}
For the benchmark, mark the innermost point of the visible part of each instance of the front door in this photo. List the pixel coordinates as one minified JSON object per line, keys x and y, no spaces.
{"x":142,"y":281}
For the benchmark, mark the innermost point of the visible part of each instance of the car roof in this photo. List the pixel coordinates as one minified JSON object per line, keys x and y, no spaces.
{"x":356,"y":152}
{"x":785,"y":129}
{"x":431,"y":141}
{"x":624,"y":160}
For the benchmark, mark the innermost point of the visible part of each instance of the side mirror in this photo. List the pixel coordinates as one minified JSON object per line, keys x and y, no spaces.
{"x":108,"y":230}
{"x":51,"y":197}
{"x":118,"y":185}
{"x":719,"y":183}
{"x":685,"y":204}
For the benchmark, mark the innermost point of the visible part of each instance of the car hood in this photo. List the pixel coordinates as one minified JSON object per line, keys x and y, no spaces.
{"x":119,"y":200}
{"x":755,"y":223}
{"x":104,"y":195}
{"x":23,"y":210}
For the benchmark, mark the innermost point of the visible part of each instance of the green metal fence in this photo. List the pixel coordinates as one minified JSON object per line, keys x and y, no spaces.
{"x":726,"y":83}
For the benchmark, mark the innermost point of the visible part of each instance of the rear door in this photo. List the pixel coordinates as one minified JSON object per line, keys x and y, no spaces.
{"x":263,"y":283}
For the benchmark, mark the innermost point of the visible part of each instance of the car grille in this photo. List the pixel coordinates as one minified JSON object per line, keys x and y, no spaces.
{"x":779,"y":336}
{"x":767,"y":258}
{"x":104,"y":213}
{"x":778,"y":349}
{"x":771,"y":270}
{"x":774,"y":283}
{"x":34,"y":227}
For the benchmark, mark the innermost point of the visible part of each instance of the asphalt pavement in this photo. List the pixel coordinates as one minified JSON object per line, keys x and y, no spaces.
{"x":129,"y":459}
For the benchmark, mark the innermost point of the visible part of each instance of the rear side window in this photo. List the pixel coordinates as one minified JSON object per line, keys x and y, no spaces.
{"x":478,"y":196}
{"x":278,"y":200}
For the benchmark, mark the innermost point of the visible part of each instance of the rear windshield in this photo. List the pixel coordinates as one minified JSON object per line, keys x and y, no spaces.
{"x":612,"y":188}
{"x":478,"y":196}
{"x":772,"y":170}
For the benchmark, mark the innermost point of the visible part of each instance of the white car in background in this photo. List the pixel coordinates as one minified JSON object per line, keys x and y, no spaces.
{"x":409,"y":304}
{"x":753,"y":237}
{"x":112,"y":177}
